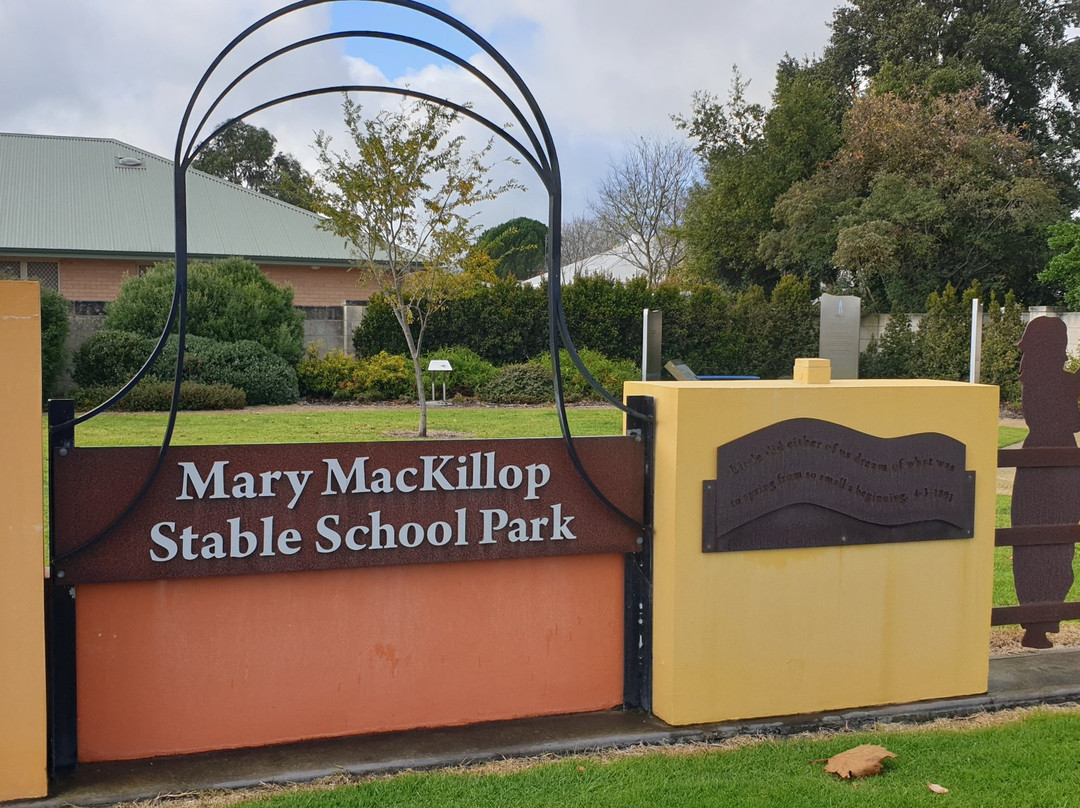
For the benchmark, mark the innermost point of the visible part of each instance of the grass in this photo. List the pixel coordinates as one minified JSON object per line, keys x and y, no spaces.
{"x":1008,"y":435}
{"x":1025,"y":759}
{"x":342,"y":425}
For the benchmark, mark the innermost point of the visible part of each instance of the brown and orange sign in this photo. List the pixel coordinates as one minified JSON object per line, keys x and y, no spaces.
{"x":237,"y":510}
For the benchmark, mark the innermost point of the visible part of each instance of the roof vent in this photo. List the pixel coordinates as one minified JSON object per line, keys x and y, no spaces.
{"x":129,"y":162}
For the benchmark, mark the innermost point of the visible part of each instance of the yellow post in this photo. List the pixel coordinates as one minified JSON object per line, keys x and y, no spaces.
{"x":23,"y":765}
{"x":770,"y":632}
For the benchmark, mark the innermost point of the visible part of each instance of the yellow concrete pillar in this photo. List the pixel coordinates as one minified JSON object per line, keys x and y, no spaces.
{"x":23,"y":766}
{"x":756,"y":633}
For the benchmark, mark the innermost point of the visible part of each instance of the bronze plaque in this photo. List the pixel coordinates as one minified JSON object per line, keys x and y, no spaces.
{"x":811,"y":483}
{"x":239,"y":510}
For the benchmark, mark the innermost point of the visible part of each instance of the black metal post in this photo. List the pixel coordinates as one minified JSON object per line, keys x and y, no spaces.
{"x":60,"y":616}
{"x":637,"y":657}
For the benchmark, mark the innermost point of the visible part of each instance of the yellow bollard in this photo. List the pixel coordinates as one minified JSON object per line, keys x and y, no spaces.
{"x":23,"y":764}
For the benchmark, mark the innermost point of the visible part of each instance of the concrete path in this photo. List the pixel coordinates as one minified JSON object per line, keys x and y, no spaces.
{"x":1044,"y":677}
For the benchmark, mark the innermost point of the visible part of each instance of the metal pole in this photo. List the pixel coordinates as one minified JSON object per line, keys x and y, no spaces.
{"x":60,"y":616}
{"x":975,"y":357}
{"x":637,"y":592}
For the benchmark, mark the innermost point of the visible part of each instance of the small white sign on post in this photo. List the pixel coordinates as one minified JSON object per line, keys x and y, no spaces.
{"x":439,"y":366}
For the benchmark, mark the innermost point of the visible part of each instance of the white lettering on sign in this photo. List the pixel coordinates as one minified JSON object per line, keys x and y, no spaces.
{"x":241,"y":537}
{"x":190,"y":545}
{"x":244,"y":485}
{"x":474,"y":472}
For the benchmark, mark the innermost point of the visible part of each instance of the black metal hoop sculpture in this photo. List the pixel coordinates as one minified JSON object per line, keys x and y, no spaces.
{"x":539,"y":153}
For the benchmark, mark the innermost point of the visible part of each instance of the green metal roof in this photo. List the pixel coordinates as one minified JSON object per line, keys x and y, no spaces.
{"x":75,"y":196}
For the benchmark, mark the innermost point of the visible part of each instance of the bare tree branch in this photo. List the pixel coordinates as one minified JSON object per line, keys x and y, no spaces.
{"x":640,"y":203}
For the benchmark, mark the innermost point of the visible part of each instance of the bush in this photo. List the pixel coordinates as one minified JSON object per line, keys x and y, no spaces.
{"x":323,"y":376}
{"x":502,"y":323}
{"x":110,"y":358}
{"x":156,"y":396}
{"x":264,"y":377}
{"x":383,"y":377}
{"x":894,"y":355}
{"x":610,"y":373}
{"x":469,"y":375}
{"x":54,"y":333}
{"x":528,"y":383}
{"x":791,"y":328}
{"x":1001,"y":348}
{"x":943,"y":341}
{"x":229,"y":300}
{"x":710,"y":329}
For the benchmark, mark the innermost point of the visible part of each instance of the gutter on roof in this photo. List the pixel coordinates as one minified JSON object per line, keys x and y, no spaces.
{"x":16,"y":252}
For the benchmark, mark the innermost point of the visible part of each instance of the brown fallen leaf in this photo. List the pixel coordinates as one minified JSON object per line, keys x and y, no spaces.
{"x":862,"y":761}
{"x":937,"y":789}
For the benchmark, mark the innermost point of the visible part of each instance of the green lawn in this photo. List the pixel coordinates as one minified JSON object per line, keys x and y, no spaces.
{"x":1031,"y":761}
{"x":340,"y":425}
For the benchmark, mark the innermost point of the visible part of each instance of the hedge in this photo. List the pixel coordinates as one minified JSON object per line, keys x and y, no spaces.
{"x":156,"y":396}
{"x":111,"y":358}
{"x":710,"y":329}
{"x":54,"y":333}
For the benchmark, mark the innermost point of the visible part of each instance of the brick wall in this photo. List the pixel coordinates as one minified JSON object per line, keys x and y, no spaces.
{"x":94,"y":278}
{"x":322,"y":286}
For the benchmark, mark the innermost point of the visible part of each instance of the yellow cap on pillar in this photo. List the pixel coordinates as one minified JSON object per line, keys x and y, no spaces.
{"x":812,"y":371}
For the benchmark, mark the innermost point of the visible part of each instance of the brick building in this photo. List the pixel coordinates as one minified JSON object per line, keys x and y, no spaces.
{"x":81,"y":214}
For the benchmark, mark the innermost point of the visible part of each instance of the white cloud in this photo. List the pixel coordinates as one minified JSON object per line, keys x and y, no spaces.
{"x":602,"y":71}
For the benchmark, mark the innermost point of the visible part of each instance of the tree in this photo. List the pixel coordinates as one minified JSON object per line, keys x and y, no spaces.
{"x":640,"y":203}
{"x":582,"y":238}
{"x":518,"y":246}
{"x":924,"y":192}
{"x":1063,"y":270}
{"x":1020,"y":55}
{"x":752,"y":157}
{"x":402,"y":204}
{"x":228,"y":300}
{"x":247,"y":155}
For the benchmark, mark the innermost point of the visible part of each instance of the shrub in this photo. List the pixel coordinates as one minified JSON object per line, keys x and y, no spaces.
{"x":611,"y":374}
{"x":528,"y":383}
{"x":383,"y":377}
{"x":1001,"y":348}
{"x":711,"y":329}
{"x":54,"y":333}
{"x":264,"y":377}
{"x":322,"y":376}
{"x":156,"y":396}
{"x":894,"y":355}
{"x":943,"y":343}
{"x":791,"y":327}
{"x":470,"y":373}
{"x":228,"y":300}
{"x":110,"y":358}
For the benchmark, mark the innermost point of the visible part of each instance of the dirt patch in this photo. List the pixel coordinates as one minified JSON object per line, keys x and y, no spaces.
{"x":433,"y":434}
{"x":1005,"y":640}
